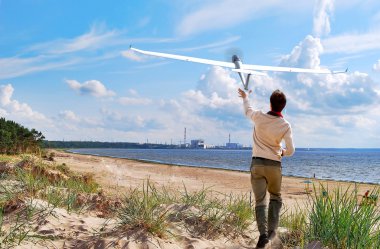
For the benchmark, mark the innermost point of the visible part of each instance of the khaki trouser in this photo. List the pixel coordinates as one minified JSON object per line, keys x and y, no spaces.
{"x":266,"y":176}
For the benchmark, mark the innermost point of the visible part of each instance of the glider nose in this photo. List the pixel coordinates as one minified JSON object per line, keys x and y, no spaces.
{"x":235,"y":58}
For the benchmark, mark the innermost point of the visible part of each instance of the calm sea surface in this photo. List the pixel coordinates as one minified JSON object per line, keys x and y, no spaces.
{"x":358,"y":165}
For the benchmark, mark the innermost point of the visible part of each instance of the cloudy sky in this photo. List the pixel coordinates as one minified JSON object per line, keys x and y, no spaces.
{"x":65,"y":68}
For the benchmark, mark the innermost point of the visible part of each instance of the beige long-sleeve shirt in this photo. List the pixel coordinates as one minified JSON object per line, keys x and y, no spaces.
{"x":268,"y":133}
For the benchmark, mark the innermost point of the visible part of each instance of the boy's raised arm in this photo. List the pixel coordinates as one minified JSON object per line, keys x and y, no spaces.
{"x":248,"y":109}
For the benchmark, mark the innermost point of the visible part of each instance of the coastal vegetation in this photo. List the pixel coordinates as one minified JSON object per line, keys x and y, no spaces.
{"x":16,"y":139}
{"x":337,"y":218}
{"x":203,"y":213}
{"x":32,"y":188}
{"x":108,"y":145}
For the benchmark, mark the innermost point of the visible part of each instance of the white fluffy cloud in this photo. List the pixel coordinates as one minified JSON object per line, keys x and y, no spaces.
{"x":16,"y":110}
{"x":305,"y":54}
{"x":91,"y":87}
{"x":322,"y":12}
{"x":324,"y":94}
{"x":321,"y":108}
{"x":216,"y":93}
{"x":376,"y":66}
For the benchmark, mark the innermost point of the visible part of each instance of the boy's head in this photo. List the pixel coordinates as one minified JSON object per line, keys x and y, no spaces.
{"x":277,"y":101}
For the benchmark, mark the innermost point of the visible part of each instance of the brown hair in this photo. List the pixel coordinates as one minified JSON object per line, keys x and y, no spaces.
{"x":277,"y":101}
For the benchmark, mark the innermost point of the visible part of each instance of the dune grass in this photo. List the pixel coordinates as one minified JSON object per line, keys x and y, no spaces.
{"x":338,"y":218}
{"x":295,"y":221}
{"x":26,"y":179}
{"x":143,"y":209}
{"x":202,"y":213}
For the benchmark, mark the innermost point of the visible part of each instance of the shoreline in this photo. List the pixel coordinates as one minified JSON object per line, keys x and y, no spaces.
{"x":215,"y":168}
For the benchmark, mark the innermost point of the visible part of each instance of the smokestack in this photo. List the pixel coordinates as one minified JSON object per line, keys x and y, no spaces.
{"x":184,"y":137}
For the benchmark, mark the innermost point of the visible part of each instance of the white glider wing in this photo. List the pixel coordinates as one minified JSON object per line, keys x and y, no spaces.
{"x":287,"y":69}
{"x":186,"y":58}
{"x":245,"y":68}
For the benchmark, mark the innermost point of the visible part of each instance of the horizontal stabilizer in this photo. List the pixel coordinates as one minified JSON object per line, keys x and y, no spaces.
{"x":249,"y":72}
{"x":336,"y":72}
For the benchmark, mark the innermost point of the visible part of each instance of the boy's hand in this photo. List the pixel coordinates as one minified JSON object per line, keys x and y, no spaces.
{"x":243,"y":94}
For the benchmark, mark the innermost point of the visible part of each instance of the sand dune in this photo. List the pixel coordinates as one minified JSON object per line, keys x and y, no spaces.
{"x":88,"y":229}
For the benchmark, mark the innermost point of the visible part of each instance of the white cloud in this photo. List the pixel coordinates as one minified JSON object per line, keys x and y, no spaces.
{"x":58,"y":54}
{"x":132,"y":122}
{"x":69,"y":116}
{"x":134,"y":101}
{"x":323,"y":94}
{"x":16,"y":66}
{"x":97,"y":37}
{"x":376,"y":66}
{"x":351,"y":43}
{"x":213,"y":45}
{"x":216,"y":92}
{"x":305,"y":54}
{"x":63,"y":53}
{"x":91,"y":87}
{"x":71,"y":120}
{"x":323,"y":10}
{"x":214,"y":15}
{"x":323,"y":109}
{"x":18,"y":111}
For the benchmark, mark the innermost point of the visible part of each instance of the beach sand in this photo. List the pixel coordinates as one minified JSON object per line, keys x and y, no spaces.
{"x":116,"y":176}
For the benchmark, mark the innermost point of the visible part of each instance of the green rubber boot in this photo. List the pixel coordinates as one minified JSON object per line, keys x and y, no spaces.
{"x":261,"y":219}
{"x":273,"y":217}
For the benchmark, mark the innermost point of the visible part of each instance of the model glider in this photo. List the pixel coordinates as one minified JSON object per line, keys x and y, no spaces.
{"x":237,"y":66}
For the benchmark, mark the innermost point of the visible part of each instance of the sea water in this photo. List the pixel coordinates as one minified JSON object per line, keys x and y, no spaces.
{"x":356,"y":165}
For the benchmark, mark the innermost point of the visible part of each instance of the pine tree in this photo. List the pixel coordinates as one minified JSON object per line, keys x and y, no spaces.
{"x":15,"y":138}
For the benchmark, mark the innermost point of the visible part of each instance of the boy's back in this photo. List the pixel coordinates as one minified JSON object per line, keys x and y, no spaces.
{"x":266,"y":169}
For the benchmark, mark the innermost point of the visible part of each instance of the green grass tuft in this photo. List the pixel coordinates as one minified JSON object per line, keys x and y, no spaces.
{"x":144,"y":209}
{"x":339,"y":220}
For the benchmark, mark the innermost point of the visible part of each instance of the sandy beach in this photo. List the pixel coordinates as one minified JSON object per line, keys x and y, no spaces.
{"x":92,"y":228}
{"x":116,"y":174}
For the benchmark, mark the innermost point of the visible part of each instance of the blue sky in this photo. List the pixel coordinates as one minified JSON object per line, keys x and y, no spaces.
{"x":65,"y":68}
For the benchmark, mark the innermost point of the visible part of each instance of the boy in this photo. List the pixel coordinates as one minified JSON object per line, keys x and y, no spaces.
{"x":269,"y":130}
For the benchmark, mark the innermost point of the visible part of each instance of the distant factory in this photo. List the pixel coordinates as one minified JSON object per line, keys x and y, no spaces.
{"x":200,"y":144}
{"x":233,"y":146}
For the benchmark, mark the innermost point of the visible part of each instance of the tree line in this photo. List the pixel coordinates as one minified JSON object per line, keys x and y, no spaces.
{"x":95,"y":144}
{"x":16,"y":139}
